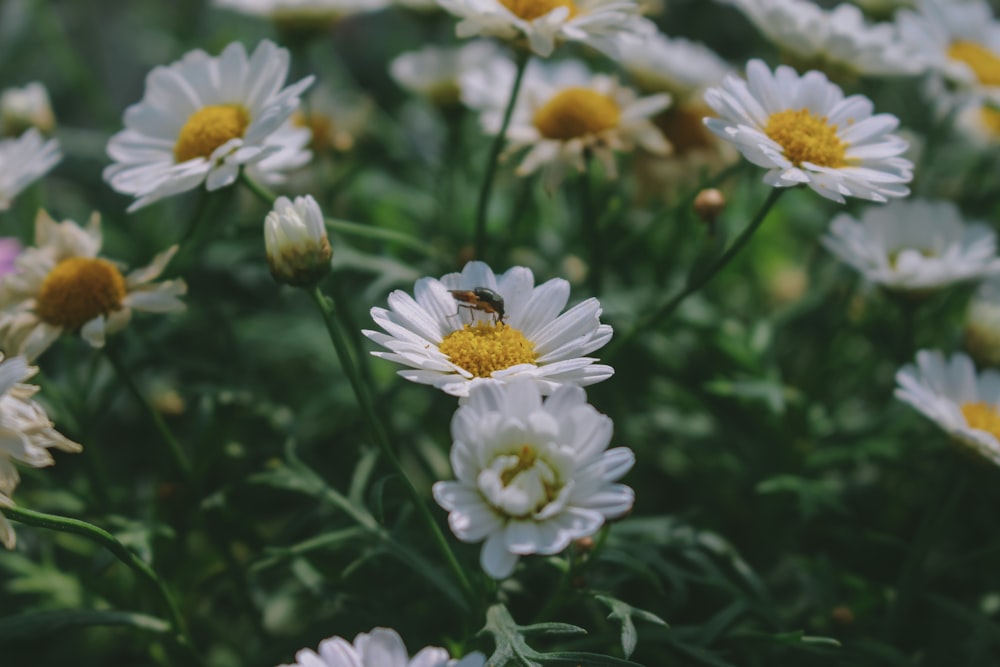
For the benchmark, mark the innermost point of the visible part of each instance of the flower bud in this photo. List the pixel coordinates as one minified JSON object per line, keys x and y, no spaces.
{"x":709,"y":204}
{"x":298,"y":250}
{"x":24,"y":108}
{"x":982,"y":327}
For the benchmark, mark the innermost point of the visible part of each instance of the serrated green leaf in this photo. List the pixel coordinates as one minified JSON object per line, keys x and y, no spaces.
{"x":49,"y":623}
{"x":623,"y":612}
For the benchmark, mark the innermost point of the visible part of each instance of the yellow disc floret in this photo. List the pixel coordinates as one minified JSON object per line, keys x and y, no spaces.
{"x":984,"y":63}
{"x":485,"y":347}
{"x":807,"y":137}
{"x":983,"y":416}
{"x":991,"y":120}
{"x":79,"y":289}
{"x":576,"y":112}
{"x":209,"y":128}
{"x":530,"y":10}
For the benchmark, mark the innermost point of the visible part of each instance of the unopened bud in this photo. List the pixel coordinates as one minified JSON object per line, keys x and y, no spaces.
{"x":298,"y":250}
{"x":709,"y":204}
{"x":842,"y":615}
{"x":24,"y":108}
{"x":584,"y":544}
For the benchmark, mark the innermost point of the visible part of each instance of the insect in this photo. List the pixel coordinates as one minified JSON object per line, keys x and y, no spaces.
{"x":480,"y":298}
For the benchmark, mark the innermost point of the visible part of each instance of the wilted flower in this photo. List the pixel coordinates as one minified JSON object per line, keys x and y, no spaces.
{"x":298,"y":250}
{"x":24,"y":108}
{"x":23,"y":161}
{"x":382,"y":647}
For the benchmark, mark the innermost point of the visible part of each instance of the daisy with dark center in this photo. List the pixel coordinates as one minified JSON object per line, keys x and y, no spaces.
{"x":61,"y":285}
{"x":203,"y":118}
{"x":454,"y":348}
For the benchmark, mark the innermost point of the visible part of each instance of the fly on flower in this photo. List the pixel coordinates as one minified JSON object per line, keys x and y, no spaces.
{"x":482,"y":299}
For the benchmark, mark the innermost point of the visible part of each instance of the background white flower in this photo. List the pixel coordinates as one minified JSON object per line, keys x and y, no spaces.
{"x":435,"y":72}
{"x":532,"y":476}
{"x":302,"y":12}
{"x":24,"y":108}
{"x":982,"y":323}
{"x":382,"y":647}
{"x":23,"y":161}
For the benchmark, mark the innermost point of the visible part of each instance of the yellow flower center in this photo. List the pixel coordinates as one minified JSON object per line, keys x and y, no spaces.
{"x":984,"y":63}
{"x":533,"y":476}
{"x":807,"y":138}
{"x":485,"y":347}
{"x":209,"y":128}
{"x":529,"y":10}
{"x":982,"y":416}
{"x":79,"y":289}
{"x":991,"y":119}
{"x":576,"y":112}
{"x":684,"y":129}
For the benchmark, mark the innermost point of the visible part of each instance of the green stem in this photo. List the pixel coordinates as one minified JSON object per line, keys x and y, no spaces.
{"x":262,"y":192}
{"x":486,"y":188}
{"x":695,"y":283}
{"x":120,"y":551}
{"x":592,"y":232}
{"x":339,"y":340}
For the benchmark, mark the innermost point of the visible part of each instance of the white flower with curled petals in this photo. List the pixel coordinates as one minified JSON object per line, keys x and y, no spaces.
{"x":382,"y":647}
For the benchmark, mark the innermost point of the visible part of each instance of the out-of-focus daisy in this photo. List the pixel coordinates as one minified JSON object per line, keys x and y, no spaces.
{"x":336,"y":119}
{"x":982,"y":324}
{"x":23,"y":161}
{"x":454,"y":347}
{"x":302,"y":13}
{"x":434,"y":72}
{"x":24,"y":108}
{"x":839,"y":41}
{"x":10,"y":249}
{"x":979,"y":121}
{"x":546,"y":23}
{"x":914,"y":246}
{"x":565,"y":112}
{"x":202,"y":118}
{"x":382,"y":647}
{"x":883,"y":8}
{"x":963,"y":403}
{"x":532,"y":476}
{"x":805,"y":132}
{"x":27,"y":434}
{"x":61,"y":285}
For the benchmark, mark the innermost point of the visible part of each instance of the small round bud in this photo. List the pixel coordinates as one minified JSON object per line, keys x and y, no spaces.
{"x":298,"y":250}
{"x":709,"y":204}
{"x":584,"y":544}
{"x":842,"y":615}
{"x":24,"y":108}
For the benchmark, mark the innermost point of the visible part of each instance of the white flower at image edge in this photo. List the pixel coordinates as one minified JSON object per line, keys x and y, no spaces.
{"x":532,"y":476}
{"x":804,"y":131}
{"x":203,"y":118}
{"x":963,"y":404}
{"x":454,"y":347}
{"x":382,"y":647}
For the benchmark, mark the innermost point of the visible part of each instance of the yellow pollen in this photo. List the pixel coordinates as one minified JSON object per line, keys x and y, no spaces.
{"x":576,"y":112}
{"x":525,"y":460}
{"x":984,"y":63}
{"x":982,"y":416}
{"x":807,"y":138}
{"x":209,"y":128}
{"x":991,"y":119}
{"x":529,"y":10}
{"x":79,"y":289}
{"x":486,"y":347}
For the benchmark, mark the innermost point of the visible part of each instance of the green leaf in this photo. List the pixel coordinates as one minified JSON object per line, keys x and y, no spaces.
{"x":49,"y":623}
{"x":624,"y":613}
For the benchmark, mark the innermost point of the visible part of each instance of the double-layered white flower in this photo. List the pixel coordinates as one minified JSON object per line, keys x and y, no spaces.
{"x":451,"y":345}
{"x":547,"y":23}
{"x":963,"y":403}
{"x":564,"y":113}
{"x":202,"y":118}
{"x":836,"y":41}
{"x":914,"y":246}
{"x":435,"y":72}
{"x":26,"y":435}
{"x":805,"y":132}
{"x":61,"y":285}
{"x":532,"y":475}
{"x":24,"y":108}
{"x":382,"y":647}
{"x":23,"y":161}
{"x":298,"y":250}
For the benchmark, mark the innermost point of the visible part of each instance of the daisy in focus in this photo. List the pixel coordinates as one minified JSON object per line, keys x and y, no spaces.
{"x":435,"y":72}
{"x":838,"y":42}
{"x":546,"y":23}
{"x":24,"y":108}
{"x":60,"y":285}
{"x":453,"y":346}
{"x":563,"y":115}
{"x":202,"y":118}
{"x":28,"y":434}
{"x":532,"y":476}
{"x":382,"y":647}
{"x":804,"y":131}
{"x":963,"y":403}
{"x":914,"y":246}
{"x":23,"y":161}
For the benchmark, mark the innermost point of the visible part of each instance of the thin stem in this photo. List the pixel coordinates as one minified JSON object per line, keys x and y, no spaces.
{"x":696,"y":282}
{"x":486,"y":188}
{"x":339,"y":340}
{"x":262,"y":192}
{"x":120,"y":551}
{"x":592,"y":232}
{"x":196,"y":217}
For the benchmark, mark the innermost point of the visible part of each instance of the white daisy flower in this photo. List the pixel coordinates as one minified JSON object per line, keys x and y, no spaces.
{"x":979,"y":122}
{"x":914,"y":246}
{"x":61,"y":285}
{"x":516,"y":332}
{"x":546,"y":23}
{"x":804,"y":131}
{"x":674,"y":65}
{"x":982,"y":323}
{"x":839,"y":41}
{"x":563,"y":113}
{"x":307,"y":13}
{"x":23,"y":161}
{"x":24,"y":108}
{"x":532,"y":476}
{"x":382,"y":647}
{"x":202,"y":118}
{"x":27,"y":434}
{"x":964,"y":404}
{"x":434,"y":72}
